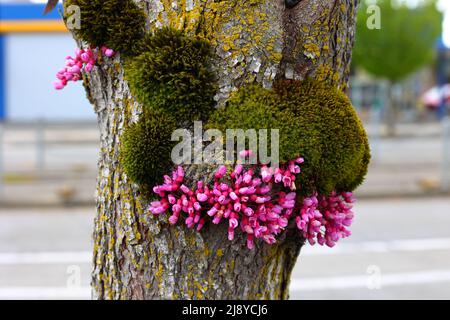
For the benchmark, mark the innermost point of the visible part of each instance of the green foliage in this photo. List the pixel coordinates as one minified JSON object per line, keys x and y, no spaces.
{"x":316,"y":121}
{"x":173,"y":73}
{"x":146,"y":147}
{"x":404,"y":43}
{"x":118,"y":24}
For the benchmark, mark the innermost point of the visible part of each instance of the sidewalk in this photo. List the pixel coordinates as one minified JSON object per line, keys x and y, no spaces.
{"x":409,"y":165}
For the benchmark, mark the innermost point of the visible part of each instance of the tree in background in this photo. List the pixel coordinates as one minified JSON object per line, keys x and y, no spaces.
{"x":405,"y":42}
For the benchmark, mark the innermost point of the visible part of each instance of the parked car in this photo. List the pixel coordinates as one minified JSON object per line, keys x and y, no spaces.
{"x":432,"y":98}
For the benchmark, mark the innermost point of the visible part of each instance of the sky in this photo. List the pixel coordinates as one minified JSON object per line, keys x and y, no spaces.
{"x":445,"y":6}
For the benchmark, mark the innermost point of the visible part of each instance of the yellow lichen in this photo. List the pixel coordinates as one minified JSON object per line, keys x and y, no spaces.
{"x":223,"y":24}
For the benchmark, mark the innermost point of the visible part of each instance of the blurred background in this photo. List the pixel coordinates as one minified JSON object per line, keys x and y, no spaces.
{"x":400,"y":86}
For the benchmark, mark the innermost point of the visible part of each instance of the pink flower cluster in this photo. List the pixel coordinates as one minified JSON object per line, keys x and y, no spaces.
{"x":83,"y":60}
{"x":259,"y":200}
{"x":244,"y":201}
{"x":325,"y":218}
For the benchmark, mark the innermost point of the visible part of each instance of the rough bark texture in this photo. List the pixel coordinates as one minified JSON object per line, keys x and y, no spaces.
{"x":137,"y":256}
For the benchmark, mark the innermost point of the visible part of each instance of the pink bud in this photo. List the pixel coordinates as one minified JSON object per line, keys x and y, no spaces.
{"x":248,"y":229}
{"x":220,"y":172}
{"x":184,"y":189}
{"x":197,"y":206}
{"x":173,"y":219}
{"x":250,"y":242}
{"x":265,"y":189}
{"x":243,"y":190}
{"x":221,"y":199}
{"x":248,"y":211}
{"x":278,"y":177}
{"x":58,"y":85}
{"x":233,"y":223}
{"x":155,"y":204}
{"x":320,"y":239}
{"x":230,"y":234}
{"x":291,"y":196}
{"x":247,"y":177}
{"x":270,"y":239}
{"x":157,"y":210}
{"x":88,"y":68}
{"x":272,"y":216}
{"x":238,"y":169}
{"x":85,"y":57}
{"x":172,"y":199}
{"x":109,"y":52}
{"x":330,"y":243}
{"x":287,"y":181}
{"x":180,"y":171}
{"x":283,"y":222}
{"x":262,"y":199}
{"x":200,"y":224}
{"x":211,"y":212}
{"x":189,"y":221}
{"x":60,"y":76}
{"x":266,"y":174}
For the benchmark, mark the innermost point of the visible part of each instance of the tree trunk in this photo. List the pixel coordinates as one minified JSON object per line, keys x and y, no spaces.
{"x":138,"y":257}
{"x":391,"y":110}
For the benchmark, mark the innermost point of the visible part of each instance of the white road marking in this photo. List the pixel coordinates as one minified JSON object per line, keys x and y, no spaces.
{"x":62,"y":257}
{"x":311,"y":284}
{"x":379,"y":247}
{"x":362,"y":281}
{"x":44,"y":293}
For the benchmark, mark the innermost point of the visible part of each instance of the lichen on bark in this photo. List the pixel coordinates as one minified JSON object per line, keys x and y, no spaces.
{"x":138,"y":256}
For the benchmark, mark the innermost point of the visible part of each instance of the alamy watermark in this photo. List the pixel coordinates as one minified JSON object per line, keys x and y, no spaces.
{"x":73,"y":17}
{"x":373,"y":277}
{"x":373,"y":22}
{"x":213,"y":146}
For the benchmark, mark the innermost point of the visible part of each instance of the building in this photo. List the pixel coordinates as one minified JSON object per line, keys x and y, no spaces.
{"x":33,"y":48}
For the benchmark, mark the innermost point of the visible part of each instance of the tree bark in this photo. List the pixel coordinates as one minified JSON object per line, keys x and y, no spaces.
{"x":138,"y":256}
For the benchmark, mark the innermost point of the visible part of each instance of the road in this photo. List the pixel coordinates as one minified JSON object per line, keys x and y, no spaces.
{"x":400,"y":249}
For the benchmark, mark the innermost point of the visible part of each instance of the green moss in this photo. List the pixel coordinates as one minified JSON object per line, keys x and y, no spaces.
{"x":327,"y":132}
{"x":250,"y":107}
{"x":118,"y":24}
{"x":316,"y":121}
{"x":173,"y":73}
{"x":146,"y":147}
